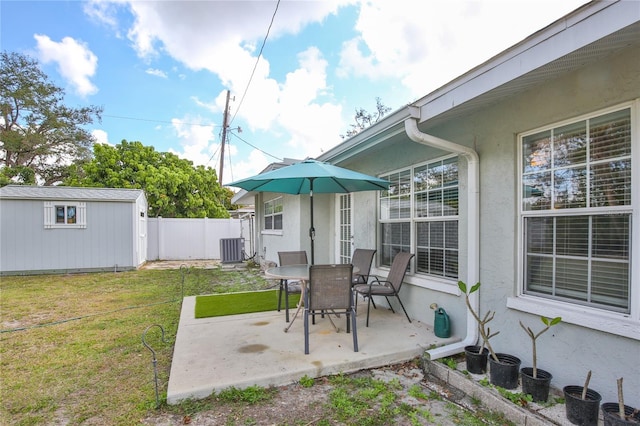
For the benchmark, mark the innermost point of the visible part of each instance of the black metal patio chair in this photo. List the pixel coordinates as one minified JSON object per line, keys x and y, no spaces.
{"x":362,"y":260}
{"x":389,"y":287}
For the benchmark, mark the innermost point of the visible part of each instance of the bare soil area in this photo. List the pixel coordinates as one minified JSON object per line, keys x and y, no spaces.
{"x":415,"y":402}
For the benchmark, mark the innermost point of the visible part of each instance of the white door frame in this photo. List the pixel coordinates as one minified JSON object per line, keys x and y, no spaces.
{"x":344,"y":228}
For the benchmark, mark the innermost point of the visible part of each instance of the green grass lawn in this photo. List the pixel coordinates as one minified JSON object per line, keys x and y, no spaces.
{"x":71,"y":347}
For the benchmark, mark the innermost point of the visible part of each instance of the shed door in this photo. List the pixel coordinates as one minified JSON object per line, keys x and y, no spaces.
{"x":142,"y":235}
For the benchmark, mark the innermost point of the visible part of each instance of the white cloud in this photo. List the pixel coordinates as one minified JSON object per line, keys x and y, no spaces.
{"x":100,"y":136}
{"x":224,"y":38}
{"x":195,"y":140}
{"x":313,"y":126}
{"x":103,"y":12}
{"x":400,"y":50}
{"x":210,"y":106}
{"x":254,"y":164}
{"x":428,"y":49}
{"x":75,"y":62}
{"x":156,"y":72}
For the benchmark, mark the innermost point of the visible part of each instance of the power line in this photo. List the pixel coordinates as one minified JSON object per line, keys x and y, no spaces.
{"x":264,"y":42}
{"x":257,"y":60}
{"x":201,"y":125}
{"x":255,"y":147}
{"x":159,"y":121}
{"x":255,"y":66}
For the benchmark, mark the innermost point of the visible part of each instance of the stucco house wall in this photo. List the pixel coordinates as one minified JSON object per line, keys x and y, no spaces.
{"x":579,"y":65}
{"x":113,"y":239}
{"x":586,"y":339}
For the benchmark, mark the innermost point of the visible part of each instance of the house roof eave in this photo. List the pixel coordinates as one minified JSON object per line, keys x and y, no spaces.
{"x":585,"y":35}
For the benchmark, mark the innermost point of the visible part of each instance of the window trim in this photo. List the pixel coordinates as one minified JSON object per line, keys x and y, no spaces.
{"x":50,"y":214}
{"x":617,"y":323}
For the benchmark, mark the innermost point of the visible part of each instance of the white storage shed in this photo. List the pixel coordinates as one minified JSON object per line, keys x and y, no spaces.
{"x":57,"y":229}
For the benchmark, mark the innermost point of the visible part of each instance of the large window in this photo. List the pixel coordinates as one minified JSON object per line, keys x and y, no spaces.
{"x":576,"y":211}
{"x":273,"y":214}
{"x":419,"y":214}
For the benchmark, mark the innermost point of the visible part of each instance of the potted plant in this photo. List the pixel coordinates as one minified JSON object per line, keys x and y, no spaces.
{"x":536,"y":381}
{"x":582,"y":404}
{"x":504,"y":368}
{"x":619,"y":414}
{"x":476,"y":355}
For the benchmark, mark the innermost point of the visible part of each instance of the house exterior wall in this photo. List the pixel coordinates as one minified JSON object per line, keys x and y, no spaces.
{"x":491,"y":128}
{"x":569,"y":350}
{"x":495,"y":130}
{"x":105,"y":244}
{"x":296,"y":224}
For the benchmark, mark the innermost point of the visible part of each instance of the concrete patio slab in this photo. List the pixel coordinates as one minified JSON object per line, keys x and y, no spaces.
{"x":212,"y":354}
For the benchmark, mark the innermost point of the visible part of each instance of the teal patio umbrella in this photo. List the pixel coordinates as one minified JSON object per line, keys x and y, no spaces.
{"x":309,"y":177}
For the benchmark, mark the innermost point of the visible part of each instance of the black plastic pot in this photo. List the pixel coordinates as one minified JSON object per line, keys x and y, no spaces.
{"x":537,"y":387}
{"x":504,"y":372}
{"x":583,"y":412}
{"x":476,"y":362}
{"x":610,"y":412}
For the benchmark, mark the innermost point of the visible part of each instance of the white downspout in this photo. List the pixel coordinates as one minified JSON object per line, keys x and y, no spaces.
{"x":473,"y":236}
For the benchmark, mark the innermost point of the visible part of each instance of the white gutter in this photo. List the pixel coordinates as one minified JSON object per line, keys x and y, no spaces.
{"x":473,"y":236}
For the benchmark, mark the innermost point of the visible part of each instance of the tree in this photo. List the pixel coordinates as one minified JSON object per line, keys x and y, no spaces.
{"x":364,"y":119}
{"x":173,"y":186}
{"x":40,"y":137}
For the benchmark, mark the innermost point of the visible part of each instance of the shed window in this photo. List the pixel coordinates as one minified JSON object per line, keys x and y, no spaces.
{"x":65,"y":214}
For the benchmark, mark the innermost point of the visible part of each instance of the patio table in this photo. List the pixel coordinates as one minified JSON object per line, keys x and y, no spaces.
{"x":291,"y":272}
{"x":295,"y":272}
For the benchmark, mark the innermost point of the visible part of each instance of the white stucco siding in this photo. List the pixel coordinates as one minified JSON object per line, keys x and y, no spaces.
{"x":495,"y":129}
{"x":269,"y":243}
{"x":493,"y":132}
{"x":550,"y":79}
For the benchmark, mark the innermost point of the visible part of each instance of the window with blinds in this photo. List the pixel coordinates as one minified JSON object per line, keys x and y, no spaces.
{"x":419,"y":214}
{"x":576,"y":211}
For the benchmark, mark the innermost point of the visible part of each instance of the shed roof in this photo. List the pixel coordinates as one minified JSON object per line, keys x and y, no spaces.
{"x":69,"y":193}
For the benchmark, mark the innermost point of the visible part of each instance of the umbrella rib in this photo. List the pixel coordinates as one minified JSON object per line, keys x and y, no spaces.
{"x":299,"y":191}
{"x":341,"y":185}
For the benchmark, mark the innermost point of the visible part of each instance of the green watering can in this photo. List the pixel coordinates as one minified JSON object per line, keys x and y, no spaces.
{"x":441,"y":324}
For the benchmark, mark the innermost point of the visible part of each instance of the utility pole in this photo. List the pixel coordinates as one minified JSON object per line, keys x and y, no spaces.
{"x":224,"y":136}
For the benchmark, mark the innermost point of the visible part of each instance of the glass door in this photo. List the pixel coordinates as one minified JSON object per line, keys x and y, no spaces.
{"x":344,"y":232}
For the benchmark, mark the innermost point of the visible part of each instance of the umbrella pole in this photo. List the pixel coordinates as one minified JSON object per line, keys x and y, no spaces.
{"x":312,"y":231}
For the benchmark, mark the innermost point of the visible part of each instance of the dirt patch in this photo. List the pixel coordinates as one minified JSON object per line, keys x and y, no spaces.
{"x":298,"y":405}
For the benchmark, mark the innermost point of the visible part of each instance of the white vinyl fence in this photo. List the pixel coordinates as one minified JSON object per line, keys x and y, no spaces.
{"x":185,"y":239}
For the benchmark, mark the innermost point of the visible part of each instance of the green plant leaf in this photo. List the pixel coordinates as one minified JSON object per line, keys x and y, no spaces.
{"x":549,"y":322}
{"x":462,"y":286}
{"x":474,"y":288}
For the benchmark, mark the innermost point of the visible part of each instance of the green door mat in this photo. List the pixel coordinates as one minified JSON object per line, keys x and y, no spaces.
{"x":215,"y":305}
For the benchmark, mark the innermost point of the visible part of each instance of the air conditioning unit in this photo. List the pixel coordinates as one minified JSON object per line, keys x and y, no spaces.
{"x":231,"y":250}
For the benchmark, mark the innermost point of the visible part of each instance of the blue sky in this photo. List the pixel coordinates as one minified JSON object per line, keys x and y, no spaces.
{"x":161,"y":69}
